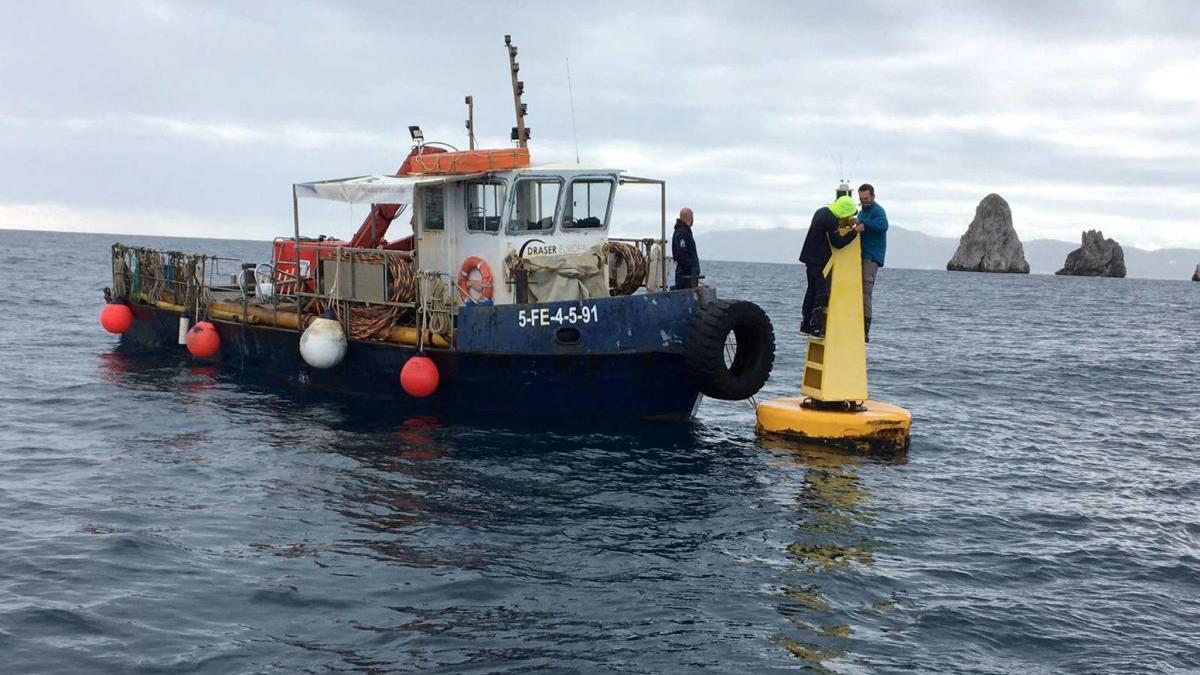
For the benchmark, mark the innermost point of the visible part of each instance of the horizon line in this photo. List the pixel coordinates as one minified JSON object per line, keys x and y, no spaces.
{"x":701,"y":233}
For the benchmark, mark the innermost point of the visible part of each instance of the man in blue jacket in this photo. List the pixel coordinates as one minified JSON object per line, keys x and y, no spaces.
{"x":874,"y":245}
{"x":683,"y":250}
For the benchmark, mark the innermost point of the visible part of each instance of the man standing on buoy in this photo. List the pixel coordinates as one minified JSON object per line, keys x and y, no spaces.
{"x":822,"y":234}
{"x":874,"y":245}
{"x":683,"y":250}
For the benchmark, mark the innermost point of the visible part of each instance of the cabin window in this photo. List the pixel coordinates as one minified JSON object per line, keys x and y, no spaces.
{"x":485,"y":204}
{"x":433,"y":207}
{"x":535,"y":202}
{"x":588,"y":202}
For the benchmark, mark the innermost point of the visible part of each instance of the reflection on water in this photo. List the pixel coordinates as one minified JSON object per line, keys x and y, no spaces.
{"x":834,"y":515}
{"x":386,"y":495}
{"x":114,"y":366}
{"x":199,"y":378}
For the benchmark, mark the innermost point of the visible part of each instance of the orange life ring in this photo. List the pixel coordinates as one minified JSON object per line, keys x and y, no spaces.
{"x":483,"y":287}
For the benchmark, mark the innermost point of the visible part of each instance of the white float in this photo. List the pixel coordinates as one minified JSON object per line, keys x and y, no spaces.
{"x":323,"y":344}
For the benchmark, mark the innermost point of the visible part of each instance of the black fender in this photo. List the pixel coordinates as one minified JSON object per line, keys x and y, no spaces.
{"x":752,"y":359}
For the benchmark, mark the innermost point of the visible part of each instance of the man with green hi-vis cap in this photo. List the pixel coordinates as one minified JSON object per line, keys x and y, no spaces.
{"x":822,"y":234}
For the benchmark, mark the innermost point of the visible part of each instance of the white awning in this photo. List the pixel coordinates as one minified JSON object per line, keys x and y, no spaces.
{"x":371,"y":189}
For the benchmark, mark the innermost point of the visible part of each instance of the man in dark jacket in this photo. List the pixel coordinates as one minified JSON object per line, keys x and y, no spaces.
{"x":683,"y":250}
{"x":822,"y":233}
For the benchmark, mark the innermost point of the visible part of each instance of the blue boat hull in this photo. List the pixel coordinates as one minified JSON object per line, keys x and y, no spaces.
{"x":625,"y":362}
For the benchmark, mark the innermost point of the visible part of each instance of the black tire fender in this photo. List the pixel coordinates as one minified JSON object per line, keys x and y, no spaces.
{"x":704,"y":350}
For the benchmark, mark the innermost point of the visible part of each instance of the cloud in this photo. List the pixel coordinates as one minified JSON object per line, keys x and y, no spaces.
{"x":225,"y":133}
{"x":287,"y":133}
{"x":1169,"y":82}
{"x":1078,"y":118}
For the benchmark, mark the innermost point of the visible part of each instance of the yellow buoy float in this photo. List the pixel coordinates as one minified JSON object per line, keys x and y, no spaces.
{"x":833,"y":408}
{"x":872,"y":427}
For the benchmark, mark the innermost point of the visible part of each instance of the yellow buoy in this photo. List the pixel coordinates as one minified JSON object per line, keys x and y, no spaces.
{"x":872,"y":426}
{"x":833,"y":408}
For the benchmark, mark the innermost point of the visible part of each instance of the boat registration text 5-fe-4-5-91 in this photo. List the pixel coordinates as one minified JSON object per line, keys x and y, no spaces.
{"x":542,"y":316}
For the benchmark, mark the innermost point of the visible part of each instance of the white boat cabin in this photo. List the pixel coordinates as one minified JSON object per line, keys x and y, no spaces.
{"x":476,"y":225}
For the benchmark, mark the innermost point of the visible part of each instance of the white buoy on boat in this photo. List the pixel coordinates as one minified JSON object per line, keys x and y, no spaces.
{"x":654,"y":274}
{"x":323,"y":344}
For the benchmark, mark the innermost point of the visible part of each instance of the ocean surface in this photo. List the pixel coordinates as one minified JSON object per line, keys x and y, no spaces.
{"x":161,"y":516}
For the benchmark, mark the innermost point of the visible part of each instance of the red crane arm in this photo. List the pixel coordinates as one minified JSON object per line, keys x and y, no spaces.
{"x":375,"y":226}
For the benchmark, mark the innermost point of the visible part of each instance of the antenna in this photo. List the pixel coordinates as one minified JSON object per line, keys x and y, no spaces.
{"x":571,"y":95}
{"x":471,"y":122}
{"x":843,"y":187}
{"x":520,"y":133}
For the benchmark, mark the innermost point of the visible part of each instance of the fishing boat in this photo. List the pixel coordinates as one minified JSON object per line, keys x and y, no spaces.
{"x":507,"y":298}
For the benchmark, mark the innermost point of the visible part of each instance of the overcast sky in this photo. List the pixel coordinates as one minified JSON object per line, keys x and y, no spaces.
{"x":194,"y":119}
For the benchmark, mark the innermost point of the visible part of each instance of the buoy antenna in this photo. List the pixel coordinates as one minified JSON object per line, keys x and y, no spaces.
{"x":836,"y":161}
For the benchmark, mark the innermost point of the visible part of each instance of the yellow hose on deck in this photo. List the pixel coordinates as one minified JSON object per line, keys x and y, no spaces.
{"x":232,"y":311}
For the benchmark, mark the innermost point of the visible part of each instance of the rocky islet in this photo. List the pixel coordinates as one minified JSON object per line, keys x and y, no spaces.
{"x":990,"y":243}
{"x":1095,"y":257}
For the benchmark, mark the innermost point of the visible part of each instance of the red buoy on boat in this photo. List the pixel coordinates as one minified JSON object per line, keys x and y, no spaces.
{"x":203,"y":341}
{"x":116,"y":318}
{"x":419,"y":376}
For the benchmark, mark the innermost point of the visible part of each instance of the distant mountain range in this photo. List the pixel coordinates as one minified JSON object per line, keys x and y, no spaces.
{"x":916,"y":250}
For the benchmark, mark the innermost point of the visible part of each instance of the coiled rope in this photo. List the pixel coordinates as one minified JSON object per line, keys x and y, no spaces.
{"x":629,"y":258}
{"x":435,"y":308}
{"x":367,"y":321}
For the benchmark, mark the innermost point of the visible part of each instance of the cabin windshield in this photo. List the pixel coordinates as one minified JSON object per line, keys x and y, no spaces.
{"x":535,"y":202}
{"x":485,"y":204}
{"x":588,"y":202}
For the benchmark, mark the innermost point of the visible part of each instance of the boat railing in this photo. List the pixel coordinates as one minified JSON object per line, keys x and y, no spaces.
{"x":360,"y":275}
{"x":661,"y":186}
{"x":370,"y":291}
{"x":182,"y":281}
{"x":642,"y":266}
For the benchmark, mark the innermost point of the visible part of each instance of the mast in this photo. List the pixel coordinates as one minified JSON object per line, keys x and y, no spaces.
{"x":471,"y":122}
{"x":520,"y":133}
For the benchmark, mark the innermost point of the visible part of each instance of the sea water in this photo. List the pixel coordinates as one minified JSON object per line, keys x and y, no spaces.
{"x":166,"y":516}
